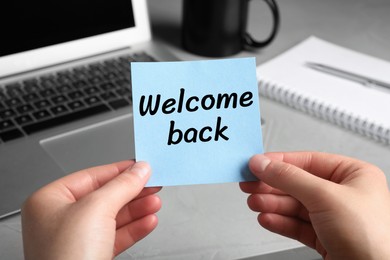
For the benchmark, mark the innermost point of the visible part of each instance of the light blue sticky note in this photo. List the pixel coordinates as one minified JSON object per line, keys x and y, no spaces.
{"x":196,"y":122}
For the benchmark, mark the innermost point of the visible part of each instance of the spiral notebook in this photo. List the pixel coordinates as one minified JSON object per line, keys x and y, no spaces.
{"x":361,"y":108}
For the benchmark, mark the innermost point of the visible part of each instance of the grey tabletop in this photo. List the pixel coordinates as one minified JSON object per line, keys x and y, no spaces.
{"x":213,"y":221}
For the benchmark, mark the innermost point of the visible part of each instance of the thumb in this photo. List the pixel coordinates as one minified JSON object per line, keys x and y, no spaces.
{"x":125,"y":187}
{"x":289,"y":178}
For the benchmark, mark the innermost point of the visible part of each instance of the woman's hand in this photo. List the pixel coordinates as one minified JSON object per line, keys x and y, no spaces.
{"x":337,"y":205}
{"x":92,"y":214}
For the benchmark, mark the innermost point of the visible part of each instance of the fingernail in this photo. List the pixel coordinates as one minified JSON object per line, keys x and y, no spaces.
{"x":260,"y":163}
{"x":140,"y":168}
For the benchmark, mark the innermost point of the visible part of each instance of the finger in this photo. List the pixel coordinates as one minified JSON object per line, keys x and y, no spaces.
{"x":128,"y":235}
{"x":299,"y":230}
{"x":291,"y":179}
{"x":258,"y":187}
{"x":78,"y":184}
{"x":331,"y":167}
{"x":138,"y":209}
{"x":148,"y":191}
{"x":123,"y":188}
{"x":282,"y":205}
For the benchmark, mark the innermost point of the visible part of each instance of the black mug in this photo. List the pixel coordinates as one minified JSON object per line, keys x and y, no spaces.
{"x":217,"y":28}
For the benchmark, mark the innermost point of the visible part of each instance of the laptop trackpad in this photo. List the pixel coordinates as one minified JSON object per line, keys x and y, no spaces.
{"x":98,"y":144}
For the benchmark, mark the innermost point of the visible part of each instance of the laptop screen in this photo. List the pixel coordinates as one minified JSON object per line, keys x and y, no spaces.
{"x":34,"y":24}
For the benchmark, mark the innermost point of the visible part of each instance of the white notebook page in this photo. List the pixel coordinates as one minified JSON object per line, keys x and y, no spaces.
{"x":289,"y":72}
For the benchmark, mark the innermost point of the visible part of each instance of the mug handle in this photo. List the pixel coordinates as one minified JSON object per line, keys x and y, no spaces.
{"x":250,"y":41}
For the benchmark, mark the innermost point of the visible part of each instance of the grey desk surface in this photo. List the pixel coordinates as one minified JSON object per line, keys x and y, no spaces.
{"x":212,"y":221}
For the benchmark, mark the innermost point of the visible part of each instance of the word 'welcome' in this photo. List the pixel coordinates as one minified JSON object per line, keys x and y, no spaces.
{"x":193,"y":103}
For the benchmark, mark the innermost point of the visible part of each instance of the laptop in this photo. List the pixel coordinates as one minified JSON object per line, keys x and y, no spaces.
{"x":65,"y":88}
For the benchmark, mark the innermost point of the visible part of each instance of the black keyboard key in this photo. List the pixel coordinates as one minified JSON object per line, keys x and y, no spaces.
{"x":109,"y":63}
{"x":14,"y":90}
{"x":59,"y":109}
{"x":95,"y":80}
{"x":30,"y":81}
{"x":31,"y":85}
{"x":48,"y":82}
{"x":24,"y":108}
{"x":76,"y":105}
{"x":42,"y":104}
{"x":6,"y":124}
{"x":109,"y":95}
{"x":47,"y":92}
{"x":124,"y":83}
{"x":10,"y":135}
{"x":13,"y":86}
{"x":22,"y":120}
{"x":32,"y":89}
{"x":80,"y":72}
{"x":97,"y":66}
{"x":59,"y":99}
{"x":41,"y":114}
{"x":107,"y":86}
{"x":110,"y":75}
{"x":13,"y":102}
{"x":4,"y":114}
{"x":64,"y":77}
{"x":116,"y":104}
{"x":91,"y":90}
{"x":92,"y":100}
{"x":64,"y":88}
{"x":75,"y":94}
{"x":59,"y":120}
{"x":123,"y":92}
{"x":30,"y":97}
{"x":80,"y":84}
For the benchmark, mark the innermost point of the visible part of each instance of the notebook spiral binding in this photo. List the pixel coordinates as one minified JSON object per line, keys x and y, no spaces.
{"x":325,"y":112}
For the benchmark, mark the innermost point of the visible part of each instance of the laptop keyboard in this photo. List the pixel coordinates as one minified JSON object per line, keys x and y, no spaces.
{"x":37,"y":104}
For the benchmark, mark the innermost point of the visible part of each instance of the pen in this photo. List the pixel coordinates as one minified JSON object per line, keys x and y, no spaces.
{"x":348,"y":75}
